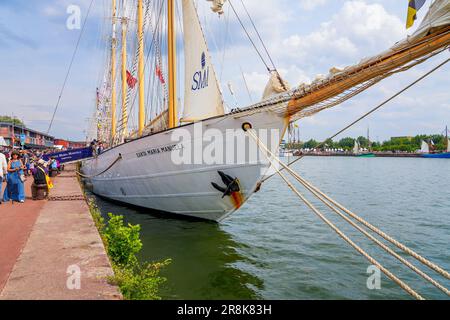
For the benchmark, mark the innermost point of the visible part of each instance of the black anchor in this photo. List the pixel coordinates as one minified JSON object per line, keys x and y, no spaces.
{"x":232,"y":185}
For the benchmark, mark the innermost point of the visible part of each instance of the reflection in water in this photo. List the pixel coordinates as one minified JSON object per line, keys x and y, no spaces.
{"x":206,"y":263}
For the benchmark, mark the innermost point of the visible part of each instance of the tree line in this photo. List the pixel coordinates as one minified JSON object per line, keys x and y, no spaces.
{"x":403,"y":144}
{"x":8,"y":119}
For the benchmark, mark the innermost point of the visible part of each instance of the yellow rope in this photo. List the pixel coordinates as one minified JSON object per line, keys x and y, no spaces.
{"x":401,"y":246}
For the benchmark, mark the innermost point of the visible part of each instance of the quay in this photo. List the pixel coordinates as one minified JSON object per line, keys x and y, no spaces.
{"x":377,"y":154}
{"x":51,"y":250}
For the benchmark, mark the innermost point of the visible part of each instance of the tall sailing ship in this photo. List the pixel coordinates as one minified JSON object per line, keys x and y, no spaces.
{"x":161,"y":164}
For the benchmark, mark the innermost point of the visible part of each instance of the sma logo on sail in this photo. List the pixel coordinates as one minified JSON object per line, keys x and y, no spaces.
{"x":201,"y":78}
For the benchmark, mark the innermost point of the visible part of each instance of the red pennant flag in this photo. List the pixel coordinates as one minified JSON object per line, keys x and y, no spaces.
{"x":131,"y":80}
{"x":160,"y":75}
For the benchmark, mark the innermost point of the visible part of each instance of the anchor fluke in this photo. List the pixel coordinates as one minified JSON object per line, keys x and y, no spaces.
{"x":232,"y":185}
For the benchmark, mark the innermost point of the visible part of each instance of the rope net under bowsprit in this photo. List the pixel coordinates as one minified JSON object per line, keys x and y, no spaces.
{"x":368,"y":230}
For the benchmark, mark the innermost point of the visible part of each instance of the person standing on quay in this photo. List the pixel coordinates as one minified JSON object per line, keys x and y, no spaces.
{"x":3,"y":171}
{"x":15,"y":190}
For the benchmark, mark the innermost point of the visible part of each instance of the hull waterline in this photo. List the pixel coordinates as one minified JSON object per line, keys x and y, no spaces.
{"x":445,"y":155}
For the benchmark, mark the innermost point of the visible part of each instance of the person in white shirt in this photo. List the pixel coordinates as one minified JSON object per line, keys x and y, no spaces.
{"x":3,"y":171}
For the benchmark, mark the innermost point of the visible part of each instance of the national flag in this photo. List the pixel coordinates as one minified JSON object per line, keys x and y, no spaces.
{"x":413,"y":7}
{"x":131,"y":80}
{"x":160,"y":75}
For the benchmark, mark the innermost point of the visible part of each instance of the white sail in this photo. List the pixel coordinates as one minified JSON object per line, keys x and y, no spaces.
{"x":448,"y":145}
{"x":425,"y":148}
{"x":202,"y":98}
{"x":356,"y":147}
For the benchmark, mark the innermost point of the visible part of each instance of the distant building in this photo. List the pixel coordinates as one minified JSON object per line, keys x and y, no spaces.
{"x":66,"y":144}
{"x":22,"y":136}
{"x":61,"y":143}
{"x":77,"y":144}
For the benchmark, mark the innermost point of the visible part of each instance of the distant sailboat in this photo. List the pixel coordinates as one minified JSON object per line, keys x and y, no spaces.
{"x":359,"y":152}
{"x":356,"y":149}
{"x":425,"y":148}
{"x":442,"y":155}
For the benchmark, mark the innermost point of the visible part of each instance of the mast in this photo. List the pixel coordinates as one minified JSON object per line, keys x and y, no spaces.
{"x":141,"y":79}
{"x":446,"y":139}
{"x":171,"y":33}
{"x":113,"y":72}
{"x":124,"y":73}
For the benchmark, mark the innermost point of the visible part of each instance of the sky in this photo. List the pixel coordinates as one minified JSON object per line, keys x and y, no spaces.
{"x":304,"y":37}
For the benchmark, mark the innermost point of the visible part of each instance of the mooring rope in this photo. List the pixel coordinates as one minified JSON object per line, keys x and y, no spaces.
{"x":333,"y":204}
{"x":98,"y":174}
{"x":321,"y":197}
{"x":394,"y":278}
{"x":399,"y":245}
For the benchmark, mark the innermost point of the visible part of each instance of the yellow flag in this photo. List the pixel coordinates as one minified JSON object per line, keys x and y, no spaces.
{"x":49,"y":182}
{"x":413,"y":7}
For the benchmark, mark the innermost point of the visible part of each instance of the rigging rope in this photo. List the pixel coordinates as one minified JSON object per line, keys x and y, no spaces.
{"x":70,"y":67}
{"x":259,"y":35}
{"x":368,"y":113}
{"x":249,"y":37}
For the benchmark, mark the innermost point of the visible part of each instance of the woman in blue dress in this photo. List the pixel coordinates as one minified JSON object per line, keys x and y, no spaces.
{"x":15,"y":190}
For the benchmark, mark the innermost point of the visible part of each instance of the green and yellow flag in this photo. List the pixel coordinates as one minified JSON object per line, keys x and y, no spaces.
{"x":413,"y":7}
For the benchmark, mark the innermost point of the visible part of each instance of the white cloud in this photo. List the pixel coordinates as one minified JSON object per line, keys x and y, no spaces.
{"x":257,"y":82}
{"x":357,"y":30}
{"x":51,"y":11}
{"x":312,"y":4}
{"x":294,"y":75}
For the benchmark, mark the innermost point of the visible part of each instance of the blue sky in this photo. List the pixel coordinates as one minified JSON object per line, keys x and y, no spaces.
{"x":305,"y":38}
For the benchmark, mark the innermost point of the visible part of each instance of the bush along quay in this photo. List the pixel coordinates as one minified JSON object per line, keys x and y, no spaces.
{"x":136,"y":280}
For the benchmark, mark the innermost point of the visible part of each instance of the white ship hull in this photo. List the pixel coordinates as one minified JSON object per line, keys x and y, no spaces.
{"x":146,"y":175}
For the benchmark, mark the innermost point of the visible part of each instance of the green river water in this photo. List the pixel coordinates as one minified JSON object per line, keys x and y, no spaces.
{"x":276,"y":248}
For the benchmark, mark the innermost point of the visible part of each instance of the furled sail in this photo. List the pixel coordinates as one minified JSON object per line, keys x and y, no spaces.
{"x":448,"y":145}
{"x":276,"y":85}
{"x":425,"y":148}
{"x":356,"y":147}
{"x":202,"y":98}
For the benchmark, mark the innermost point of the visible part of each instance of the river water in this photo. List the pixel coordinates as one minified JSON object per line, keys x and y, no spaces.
{"x":276,"y":248}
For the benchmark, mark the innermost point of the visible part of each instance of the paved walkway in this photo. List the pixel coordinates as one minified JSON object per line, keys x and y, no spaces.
{"x":16,"y":222}
{"x":41,"y":241}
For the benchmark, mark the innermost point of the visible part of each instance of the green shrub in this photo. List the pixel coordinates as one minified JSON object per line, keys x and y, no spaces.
{"x":123,"y":241}
{"x":99,"y":221}
{"x":137,"y":281}
{"x":140,"y":282}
